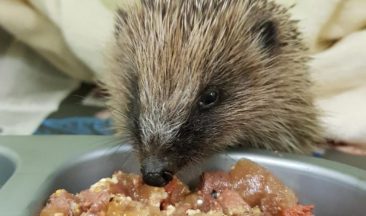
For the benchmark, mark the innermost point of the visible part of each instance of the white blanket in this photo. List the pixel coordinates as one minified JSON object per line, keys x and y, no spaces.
{"x":30,"y":88}
{"x":71,"y":34}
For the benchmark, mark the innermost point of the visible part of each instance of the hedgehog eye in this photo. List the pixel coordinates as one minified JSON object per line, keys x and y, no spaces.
{"x":208,"y":99}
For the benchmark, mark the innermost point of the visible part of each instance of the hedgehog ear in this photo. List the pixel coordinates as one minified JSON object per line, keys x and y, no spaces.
{"x":268,"y":35}
{"x":121,"y":19}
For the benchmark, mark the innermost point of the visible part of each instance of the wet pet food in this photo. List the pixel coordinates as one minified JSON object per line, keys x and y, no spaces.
{"x":247,"y":189}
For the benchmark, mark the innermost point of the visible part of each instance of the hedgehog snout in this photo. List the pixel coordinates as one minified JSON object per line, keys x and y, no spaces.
{"x":155,"y":172}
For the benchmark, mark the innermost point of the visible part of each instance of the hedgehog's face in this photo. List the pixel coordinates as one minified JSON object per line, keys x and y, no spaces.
{"x":195,"y":88}
{"x":172,"y":135}
{"x":171,"y":130}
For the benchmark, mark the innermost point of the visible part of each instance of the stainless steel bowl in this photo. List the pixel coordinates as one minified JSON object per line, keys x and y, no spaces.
{"x":335,"y":189}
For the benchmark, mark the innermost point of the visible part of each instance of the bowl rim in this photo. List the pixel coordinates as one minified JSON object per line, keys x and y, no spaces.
{"x":339,"y":171}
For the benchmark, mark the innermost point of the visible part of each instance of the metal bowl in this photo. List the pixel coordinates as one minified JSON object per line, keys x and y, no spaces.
{"x":334,"y":189}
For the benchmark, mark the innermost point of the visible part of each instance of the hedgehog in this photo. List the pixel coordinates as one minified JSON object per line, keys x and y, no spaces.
{"x":190,"y":78}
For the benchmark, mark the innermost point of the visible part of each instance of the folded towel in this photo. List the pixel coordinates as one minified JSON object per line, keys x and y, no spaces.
{"x":30,"y":89}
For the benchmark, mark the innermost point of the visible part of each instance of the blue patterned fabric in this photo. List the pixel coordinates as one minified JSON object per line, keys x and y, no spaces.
{"x":75,"y":125}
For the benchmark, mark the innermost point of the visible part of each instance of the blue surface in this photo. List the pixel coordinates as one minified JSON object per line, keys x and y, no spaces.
{"x":75,"y":125}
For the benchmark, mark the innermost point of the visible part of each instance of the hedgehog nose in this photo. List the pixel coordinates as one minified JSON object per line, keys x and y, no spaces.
{"x":157,"y":179}
{"x":154,"y":173}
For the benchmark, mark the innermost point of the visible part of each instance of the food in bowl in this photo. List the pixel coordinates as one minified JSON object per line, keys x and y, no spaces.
{"x":247,"y":189}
